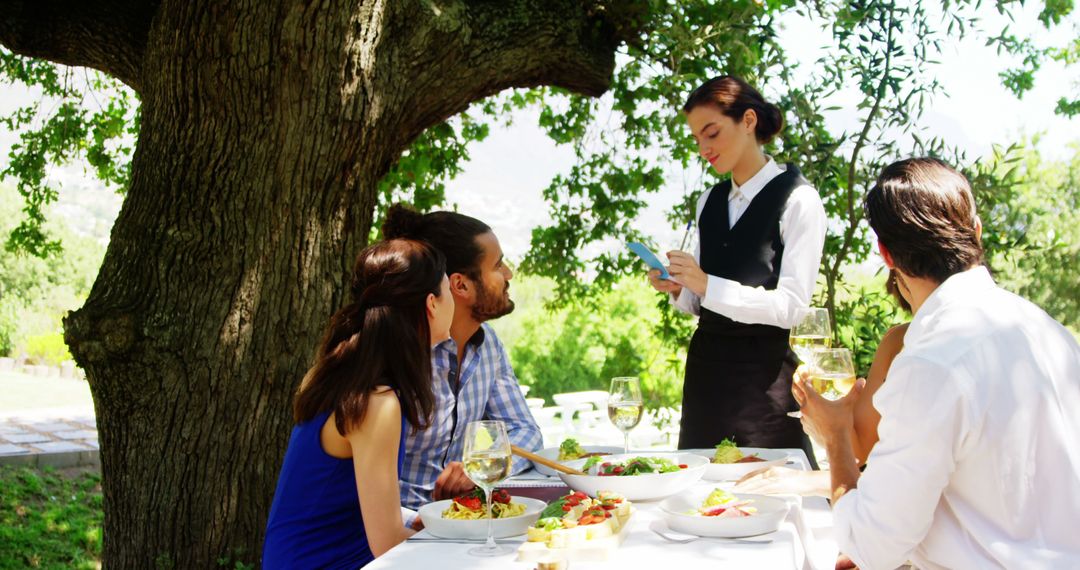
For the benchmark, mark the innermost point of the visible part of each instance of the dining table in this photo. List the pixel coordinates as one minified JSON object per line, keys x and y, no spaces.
{"x":804,"y":540}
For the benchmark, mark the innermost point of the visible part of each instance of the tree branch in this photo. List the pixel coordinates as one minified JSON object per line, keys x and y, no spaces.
{"x":463,"y":51}
{"x":107,"y":36}
{"x":853,"y":215}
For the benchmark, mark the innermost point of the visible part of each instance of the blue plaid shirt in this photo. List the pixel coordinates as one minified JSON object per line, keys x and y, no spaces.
{"x":487,"y":390}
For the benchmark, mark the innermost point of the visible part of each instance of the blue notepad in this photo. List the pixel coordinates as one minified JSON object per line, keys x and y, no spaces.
{"x":649,"y":258}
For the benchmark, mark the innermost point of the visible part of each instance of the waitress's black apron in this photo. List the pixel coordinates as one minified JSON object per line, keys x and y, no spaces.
{"x":739,"y":387}
{"x":738,"y":375}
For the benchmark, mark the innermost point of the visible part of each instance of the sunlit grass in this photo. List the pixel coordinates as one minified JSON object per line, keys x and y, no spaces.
{"x":49,"y":520}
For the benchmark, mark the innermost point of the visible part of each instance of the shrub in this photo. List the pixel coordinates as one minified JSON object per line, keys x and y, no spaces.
{"x":47,"y":348}
{"x":583,"y":347}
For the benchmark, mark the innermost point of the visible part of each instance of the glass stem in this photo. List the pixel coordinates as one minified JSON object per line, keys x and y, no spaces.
{"x":490,"y":545}
{"x":626,"y":442}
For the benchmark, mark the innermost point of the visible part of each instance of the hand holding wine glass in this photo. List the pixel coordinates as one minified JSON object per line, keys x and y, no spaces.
{"x":487,"y":463}
{"x":625,"y":406}
{"x":827,"y":394}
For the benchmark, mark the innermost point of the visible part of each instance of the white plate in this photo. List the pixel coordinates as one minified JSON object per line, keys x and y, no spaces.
{"x":431,"y":514}
{"x":647,"y":487}
{"x":552,"y":453}
{"x":736,"y":471}
{"x":770,"y":513}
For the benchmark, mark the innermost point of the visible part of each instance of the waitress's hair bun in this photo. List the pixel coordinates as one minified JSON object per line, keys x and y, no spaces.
{"x":402,"y":222}
{"x":734,"y":97}
{"x":770,"y":121}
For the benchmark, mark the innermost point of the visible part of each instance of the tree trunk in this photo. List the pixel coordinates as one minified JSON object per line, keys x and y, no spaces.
{"x":223,"y":266}
{"x":266,"y":126}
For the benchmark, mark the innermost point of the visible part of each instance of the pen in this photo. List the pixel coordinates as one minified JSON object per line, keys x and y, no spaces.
{"x":686,"y":235}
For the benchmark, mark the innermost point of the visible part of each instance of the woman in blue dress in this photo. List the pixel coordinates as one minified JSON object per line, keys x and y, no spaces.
{"x":337,"y":503}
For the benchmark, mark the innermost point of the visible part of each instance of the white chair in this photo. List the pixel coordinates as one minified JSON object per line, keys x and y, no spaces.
{"x":584,"y":401}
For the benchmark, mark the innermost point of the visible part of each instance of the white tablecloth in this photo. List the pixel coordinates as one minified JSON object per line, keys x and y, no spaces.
{"x":644,"y":549}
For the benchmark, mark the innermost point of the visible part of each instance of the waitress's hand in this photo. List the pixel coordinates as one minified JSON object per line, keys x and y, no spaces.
{"x":685,"y":269}
{"x":663,"y":285}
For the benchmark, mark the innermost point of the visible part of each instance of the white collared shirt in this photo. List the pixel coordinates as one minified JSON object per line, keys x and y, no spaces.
{"x":978,"y":465}
{"x":802,"y":230}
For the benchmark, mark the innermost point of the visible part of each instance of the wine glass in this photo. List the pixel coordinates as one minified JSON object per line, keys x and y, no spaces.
{"x":812,"y":331}
{"x":487,"y":463}
{"x":625,"y":406}
{"x":832,"y":374}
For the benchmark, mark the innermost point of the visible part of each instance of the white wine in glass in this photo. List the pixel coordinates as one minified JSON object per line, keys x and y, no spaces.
{"x":625,"y":406}
{"x":487,"y":470}
{"x":812,"y":331}
{"x":833,"y":373}
{"x":487,"y":461}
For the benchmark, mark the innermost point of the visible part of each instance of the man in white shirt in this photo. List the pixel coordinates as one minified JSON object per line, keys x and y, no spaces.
{"x":978,"y":465}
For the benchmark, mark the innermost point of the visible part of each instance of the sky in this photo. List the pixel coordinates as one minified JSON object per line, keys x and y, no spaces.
{"x":502,"y":182}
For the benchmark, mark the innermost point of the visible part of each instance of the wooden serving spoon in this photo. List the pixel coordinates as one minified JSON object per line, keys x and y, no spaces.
{"x":544,"y":461}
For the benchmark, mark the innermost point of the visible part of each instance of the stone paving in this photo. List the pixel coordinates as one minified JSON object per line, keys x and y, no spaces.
{"x":49,"y":437}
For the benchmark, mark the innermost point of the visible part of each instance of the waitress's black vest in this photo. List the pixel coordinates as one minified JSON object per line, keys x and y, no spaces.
{"x":750,"y":252}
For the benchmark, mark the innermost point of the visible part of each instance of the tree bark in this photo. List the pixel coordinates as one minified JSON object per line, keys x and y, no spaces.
{"x":107,"y":35}
{"x":266,"y":125}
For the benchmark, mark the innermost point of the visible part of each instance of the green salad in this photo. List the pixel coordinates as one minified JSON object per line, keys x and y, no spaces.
{"x":570,"y":449}
{"x":633,"y":466}
{"x":727,"y":452}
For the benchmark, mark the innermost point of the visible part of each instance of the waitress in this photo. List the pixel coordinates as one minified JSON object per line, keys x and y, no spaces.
{"x":761,"y":233}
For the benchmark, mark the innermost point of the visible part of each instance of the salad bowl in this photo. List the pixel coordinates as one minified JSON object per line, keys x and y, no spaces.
{"x":552,"y":453}
{"x":641,"y":485}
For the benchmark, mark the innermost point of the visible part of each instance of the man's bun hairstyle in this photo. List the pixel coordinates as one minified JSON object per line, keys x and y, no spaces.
{"x":402,"y":222}
{"x":453,"y":234}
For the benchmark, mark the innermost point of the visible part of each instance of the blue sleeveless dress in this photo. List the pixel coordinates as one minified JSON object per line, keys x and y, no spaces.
{"x":315,"y":519}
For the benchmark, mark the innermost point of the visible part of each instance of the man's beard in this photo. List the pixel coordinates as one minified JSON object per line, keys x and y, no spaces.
{"x":490,"y":305}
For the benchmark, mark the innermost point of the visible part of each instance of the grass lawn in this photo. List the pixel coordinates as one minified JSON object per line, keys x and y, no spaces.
{"x":50,"y":519}
{"x":25,"y":392}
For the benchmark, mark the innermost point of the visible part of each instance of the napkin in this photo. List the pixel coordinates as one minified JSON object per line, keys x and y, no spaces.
{"x":802,"y":529}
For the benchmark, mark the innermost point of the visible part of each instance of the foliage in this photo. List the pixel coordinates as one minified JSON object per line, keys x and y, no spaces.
{"x":627,"y":143}
{"x":1021,"y":79}
{"x":1042,"y":267}
{"x":48,"y":520}
{"x":864,"y":313}
{"x":47,"y":348}
{"x":419,"y":176}
{"x":36,"y":292}
{"x":70,"y":122}
{"x":569,"y":349}
{"x":885,"y":49}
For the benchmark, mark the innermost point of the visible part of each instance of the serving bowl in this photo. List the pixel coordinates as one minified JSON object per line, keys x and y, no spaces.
{"x":644,"y":487}
{"x":552,"y":453}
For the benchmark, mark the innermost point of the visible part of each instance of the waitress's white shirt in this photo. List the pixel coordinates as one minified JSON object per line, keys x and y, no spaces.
{"x":802,"y":231}
{"x":978,"y":465}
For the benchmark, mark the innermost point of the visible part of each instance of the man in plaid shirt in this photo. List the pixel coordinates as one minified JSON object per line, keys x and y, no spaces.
{"x":473,"y":379}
